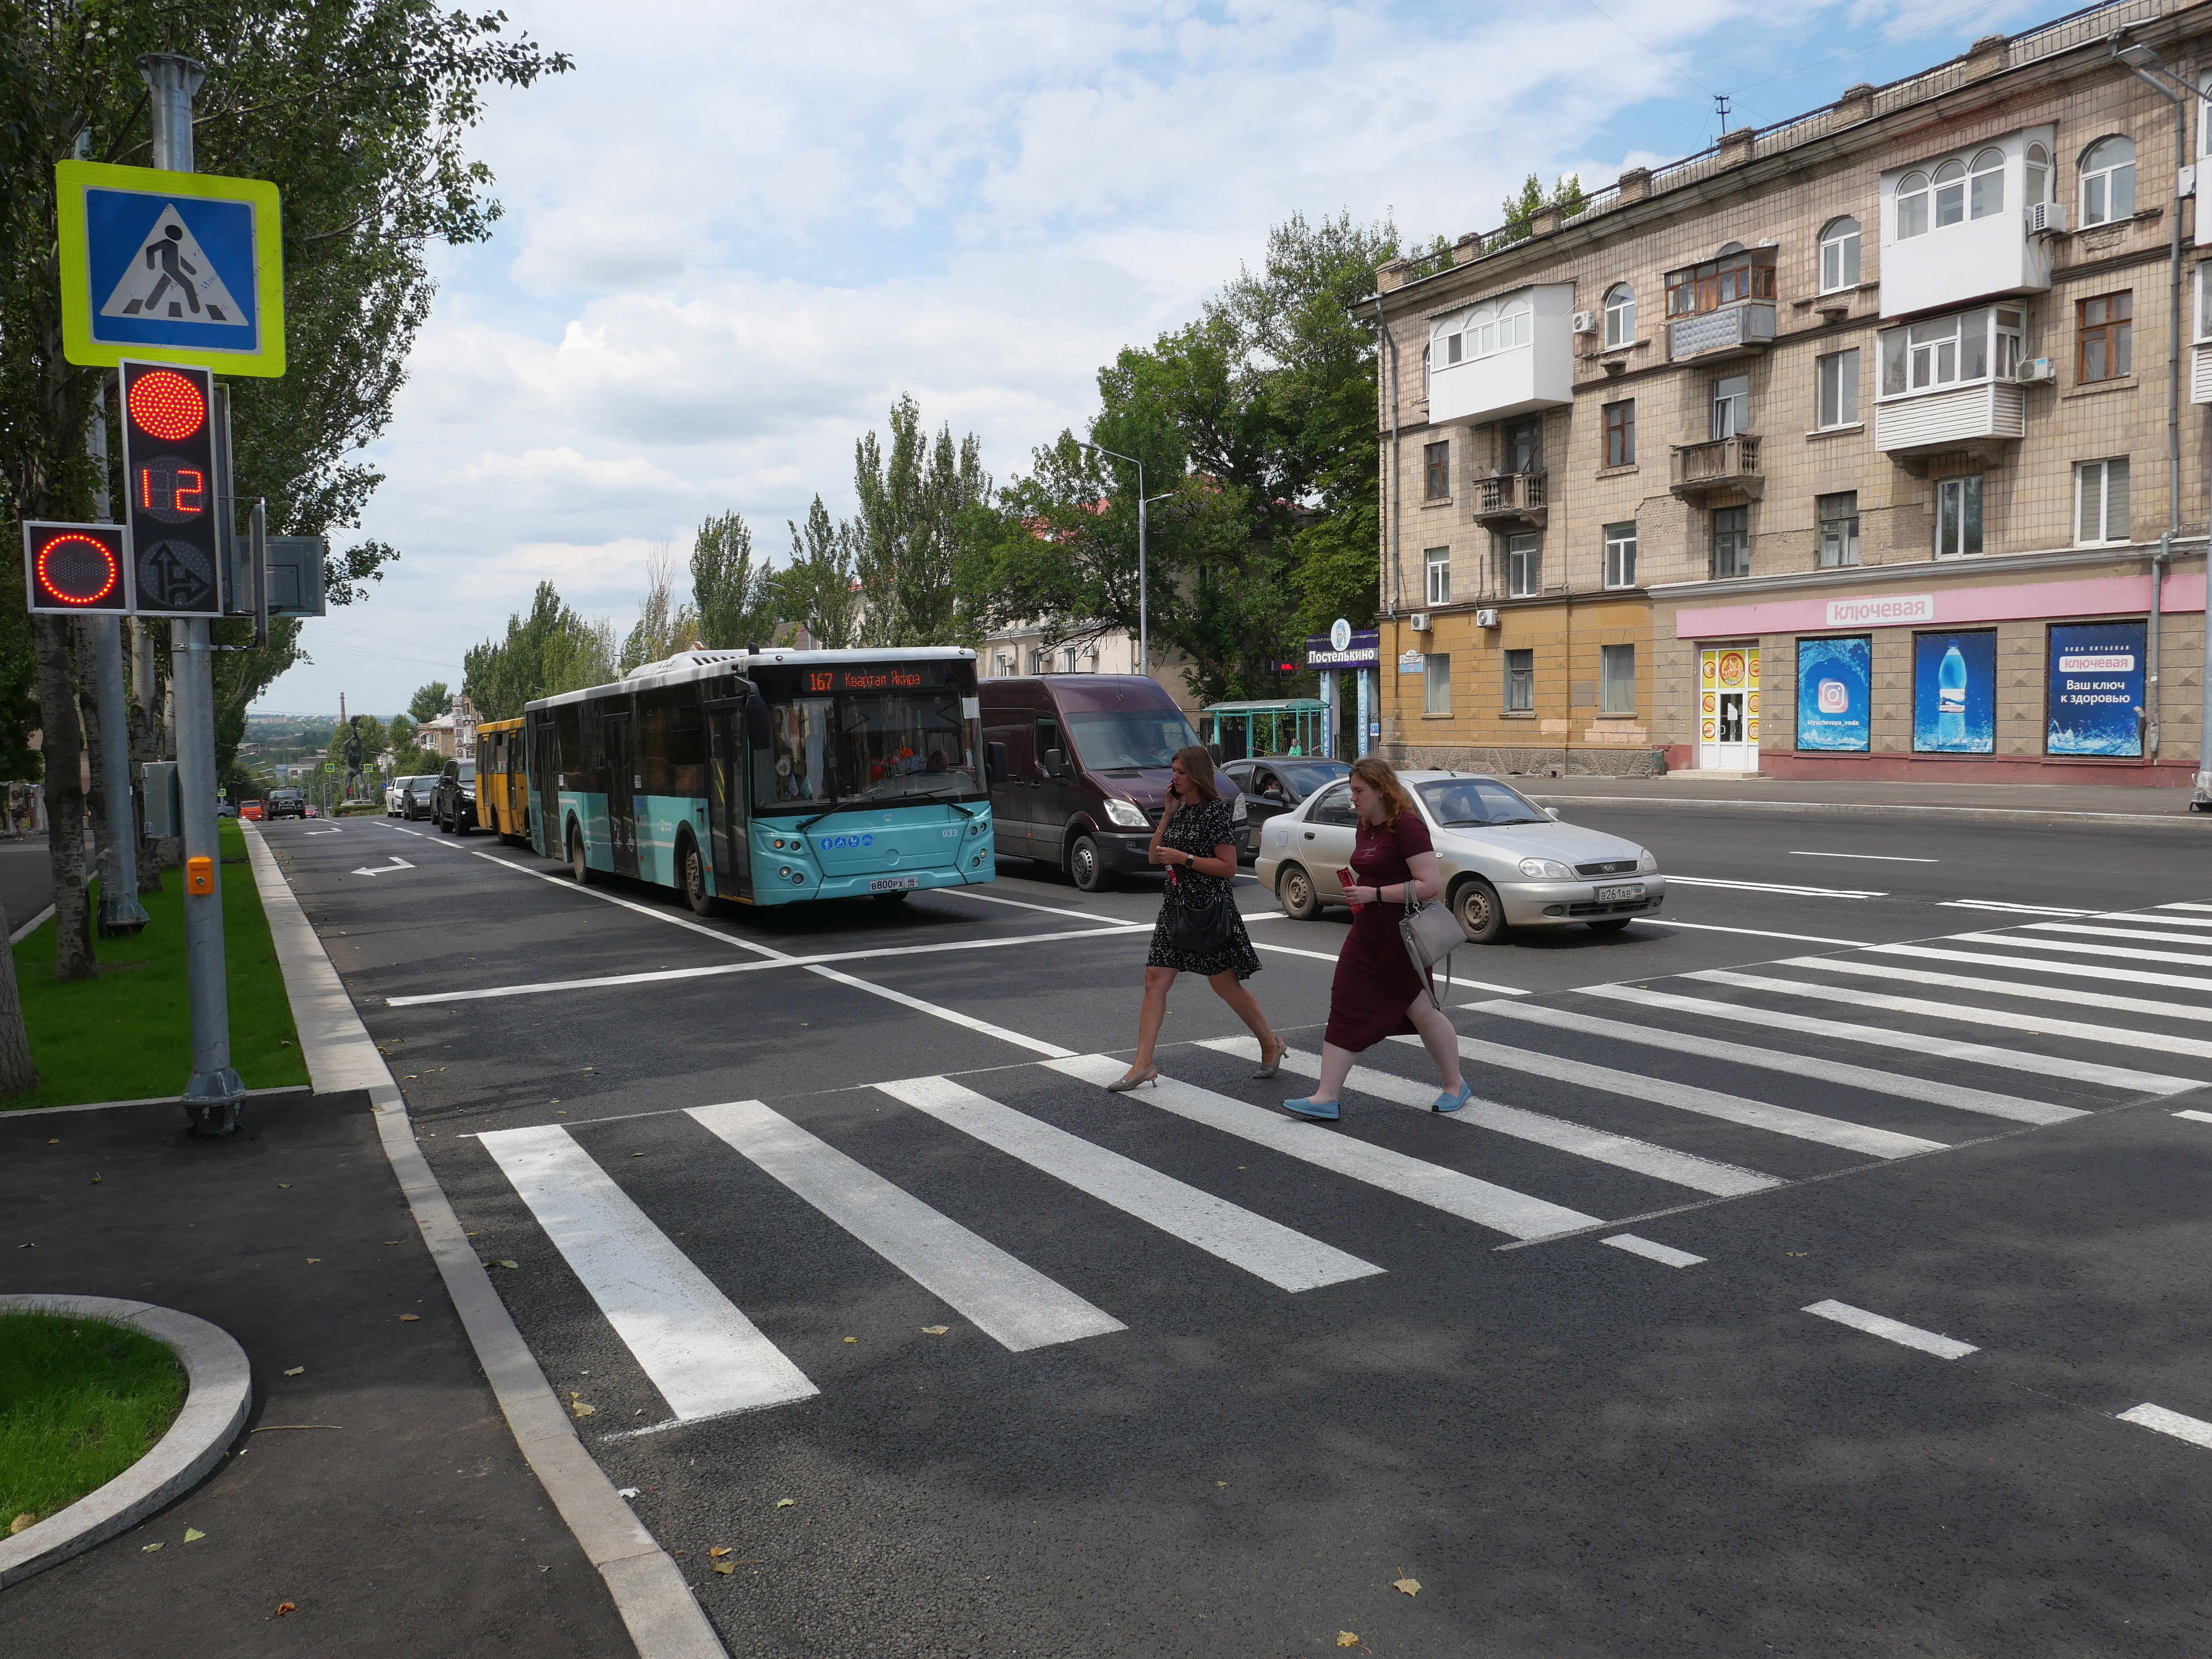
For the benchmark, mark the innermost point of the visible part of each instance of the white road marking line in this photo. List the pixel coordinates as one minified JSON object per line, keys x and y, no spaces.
{"x":2070,"y":994}
{"x":2013,"y":909}
{"x":2185,"y":904}
{"x":1979,"y":1053}
{"x":1877,"y":858}
{"x":2195,"y":1429}
{"x":1773,"y":887}
{"x":706,"y":1358}
{"x":1292,"y":951}
{"x":1664,"y":1254}
{"x":569,"y":885}
{"x":2045,"y":965}
{"x":1023,"y":904}
{"x":1284,"y":1258}
{"x":1331,"y":955}
{"x":398,"y":863}
{"x":2032,"y":1025}
{"x":2093,"y":930}
{"x":1826,"y":1070}
{"x":1020,"y":1040}
{"x":1662,"y":1163}
{"x":1756,"y":933}
{"x":2195,"y":1116}
{"x":1004,"y":1298}
{"x":2151,"y":915}
{"x":1706,"y":1103}
{"x":1894,"y":1330}
{"x":1499,"y":1208}
{"x":2119,"y":953}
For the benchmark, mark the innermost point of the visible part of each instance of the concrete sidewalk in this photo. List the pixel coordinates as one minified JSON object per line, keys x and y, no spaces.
{"x":2036,"y":802}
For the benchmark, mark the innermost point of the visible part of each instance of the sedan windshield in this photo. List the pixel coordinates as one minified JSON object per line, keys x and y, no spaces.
{"x":1123,"y":740}
{"x":1453,"y":801}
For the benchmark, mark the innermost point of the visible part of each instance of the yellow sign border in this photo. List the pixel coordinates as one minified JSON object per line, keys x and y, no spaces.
{"x":72,"y":178}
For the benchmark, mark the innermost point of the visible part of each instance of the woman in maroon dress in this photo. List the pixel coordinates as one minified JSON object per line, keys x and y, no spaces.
{"x":1376,"y":993}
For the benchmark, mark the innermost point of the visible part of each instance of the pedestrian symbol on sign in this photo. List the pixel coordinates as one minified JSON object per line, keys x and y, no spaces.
{"x":172,"y":276}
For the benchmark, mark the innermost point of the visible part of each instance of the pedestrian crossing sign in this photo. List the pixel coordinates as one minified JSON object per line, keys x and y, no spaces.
{"x":170,"y":267}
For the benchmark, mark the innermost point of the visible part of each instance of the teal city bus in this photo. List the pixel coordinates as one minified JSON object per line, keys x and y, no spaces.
{"x":768,"y":777}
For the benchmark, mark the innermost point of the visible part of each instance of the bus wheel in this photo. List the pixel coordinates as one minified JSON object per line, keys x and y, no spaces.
{"x":1085,"y":867}
{"x":577,"y":866}
{"x":694,"y":867}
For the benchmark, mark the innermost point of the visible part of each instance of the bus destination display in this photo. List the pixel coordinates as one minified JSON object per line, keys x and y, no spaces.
{"x":819,"y":680}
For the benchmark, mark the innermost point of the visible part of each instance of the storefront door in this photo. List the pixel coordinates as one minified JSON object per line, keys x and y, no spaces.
{"x":1727,"y":708}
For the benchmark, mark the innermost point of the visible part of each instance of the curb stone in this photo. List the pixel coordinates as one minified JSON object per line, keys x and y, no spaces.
{"x":663,"y":1616}
{"x":220,"y":1384}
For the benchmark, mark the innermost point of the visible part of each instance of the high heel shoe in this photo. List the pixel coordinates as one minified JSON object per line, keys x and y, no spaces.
{"x":1269,"y":1067}
{"x":1122,"y":1086}
{"x":1448,"y":1102}
{"x":1327,"y":1111}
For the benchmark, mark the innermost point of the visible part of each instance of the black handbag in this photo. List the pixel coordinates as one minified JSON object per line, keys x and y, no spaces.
{"x":1202,"y":927}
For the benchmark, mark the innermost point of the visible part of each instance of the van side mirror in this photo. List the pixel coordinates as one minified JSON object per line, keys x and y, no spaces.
{"x":1055,"y":764}
{"x":995,"y":762}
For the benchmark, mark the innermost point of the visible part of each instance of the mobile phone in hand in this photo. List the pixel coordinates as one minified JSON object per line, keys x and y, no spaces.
{"x":1346,"y":881}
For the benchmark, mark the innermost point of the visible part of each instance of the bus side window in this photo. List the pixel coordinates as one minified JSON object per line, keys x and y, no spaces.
{"x":653,"y":711}
{"x":687,"y":750}
{"x":568,"y":759}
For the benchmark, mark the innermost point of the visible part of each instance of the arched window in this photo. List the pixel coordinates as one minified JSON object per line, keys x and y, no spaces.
{"x":1985,"y":187}
{"x":1446,"y":342}
{"x":1950,"y":193}
{"x":2038,"y":174}
{"x":1482,"y":331}
{"x":2108,"y":180}
{"x":1620,"y":316}
{"x":1733,"y":248}
{"x":1839,"y":255}
{"x":1517,"y":321}
{"x":1912,"y":205}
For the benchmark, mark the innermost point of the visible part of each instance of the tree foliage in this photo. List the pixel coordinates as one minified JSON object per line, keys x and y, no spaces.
{"x":921,"y":509}
{"x":731,"y":594}
{"x":665,"y":625}
{"x":1567,"y":194}
{"x":428,"y":704}
{"x":551,"y":650}
{"x":817,"y":589}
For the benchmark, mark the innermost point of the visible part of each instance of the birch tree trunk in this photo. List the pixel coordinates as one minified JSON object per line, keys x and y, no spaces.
{"x":63,"y":748}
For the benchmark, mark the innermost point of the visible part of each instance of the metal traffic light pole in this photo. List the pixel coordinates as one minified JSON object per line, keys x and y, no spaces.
{"x":119,"y":909}
{"x":212,"y":1098}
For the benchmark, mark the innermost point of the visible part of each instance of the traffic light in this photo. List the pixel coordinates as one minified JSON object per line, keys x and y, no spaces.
{"x":71,"y":568}
{"x":169,"y":477}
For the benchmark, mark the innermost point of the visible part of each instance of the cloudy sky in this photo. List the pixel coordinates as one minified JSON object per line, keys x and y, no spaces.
{"x":736,"y":231}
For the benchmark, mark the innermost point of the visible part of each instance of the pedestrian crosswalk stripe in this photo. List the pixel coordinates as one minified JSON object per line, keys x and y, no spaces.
{"x":1004,"y":1298}
{"x":1775,"y":1060}
{"x":2116,"y":952}
{"x":2185,"y":904}
{"x":1706,"y":1103}
{"x":2092,"y":930}
{"x":2033,"y":1024}
{"x":2200,"y":1117}
{"x":2013,"y":909}
{"x":1793,"y":890}
{"x":2195,"y":1429}
{"x":2070,"y":994}
{"x":706,"y":1358}
{"x":2162,"y":920}
{"x":1666,"y":1254}
{"x":1893,"y":1330}
{"x":1662,"y":1163}
{"x":1275,"y":1253}
{"x":1487,"y":1205}
{"x":2042,"y":965}
{"x":1980,"y":1054}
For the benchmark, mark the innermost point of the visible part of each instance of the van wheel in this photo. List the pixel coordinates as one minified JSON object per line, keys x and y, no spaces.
{"x":694,"y":868}
{"x":1294,"y":891}
{"x":1481,"y":917}
{"x":577,"y":866}
{"x":1085,"y":867}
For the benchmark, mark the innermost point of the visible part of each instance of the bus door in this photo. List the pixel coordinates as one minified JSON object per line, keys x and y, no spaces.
{"x":618,"y":750}
{"x":545,"y":831}
{"x":729,"y":790}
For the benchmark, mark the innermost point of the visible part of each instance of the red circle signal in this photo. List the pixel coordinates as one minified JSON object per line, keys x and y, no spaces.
{"x":168,"y":405}
{"x":75,"y":569}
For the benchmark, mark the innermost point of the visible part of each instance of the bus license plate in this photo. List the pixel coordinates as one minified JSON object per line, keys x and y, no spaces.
{"x":894,"y":884}
{"x":1615,"y":894}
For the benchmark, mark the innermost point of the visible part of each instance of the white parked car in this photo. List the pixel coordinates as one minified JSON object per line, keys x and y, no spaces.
{"x":1506,"y":862}
{"x":410,"y":797}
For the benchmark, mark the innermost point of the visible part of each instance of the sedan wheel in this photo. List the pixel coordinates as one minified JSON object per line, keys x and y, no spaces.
{"x":1481,"y":915}
{"x":1294,"y":890}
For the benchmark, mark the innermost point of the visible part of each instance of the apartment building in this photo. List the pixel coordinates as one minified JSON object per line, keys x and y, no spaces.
{"x":1840,"y":449}
{"x":1028,"y":648}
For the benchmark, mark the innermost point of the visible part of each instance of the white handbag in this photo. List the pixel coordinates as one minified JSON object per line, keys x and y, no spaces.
{"x":1432,"y":934}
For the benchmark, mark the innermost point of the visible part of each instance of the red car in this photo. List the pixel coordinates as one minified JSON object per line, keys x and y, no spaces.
{"x":250,"y":809}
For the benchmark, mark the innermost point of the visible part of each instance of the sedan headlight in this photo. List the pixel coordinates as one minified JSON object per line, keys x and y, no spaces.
{"x":1646,"y":862}
{"x":1127,"y":813}
{"x":1546,"y":870}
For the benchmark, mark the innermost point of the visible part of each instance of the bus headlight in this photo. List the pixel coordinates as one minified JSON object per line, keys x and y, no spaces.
{"x":1127,"y":813}
{"x":977,"y":827}
{"x":786,"y":871}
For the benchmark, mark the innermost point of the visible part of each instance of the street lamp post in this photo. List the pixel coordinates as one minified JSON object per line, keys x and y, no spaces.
{"x":1144,"y":606}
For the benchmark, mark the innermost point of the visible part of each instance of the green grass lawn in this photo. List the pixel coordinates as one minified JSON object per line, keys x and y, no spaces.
{"x":81,"y":1401}
{"x":126,"y":1035}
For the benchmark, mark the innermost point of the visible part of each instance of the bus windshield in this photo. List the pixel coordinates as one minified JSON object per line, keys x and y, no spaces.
{"x":1122,"y":740}
{"x":866,"y":747}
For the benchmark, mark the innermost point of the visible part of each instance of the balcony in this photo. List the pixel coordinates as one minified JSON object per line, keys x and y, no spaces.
{"x":1725,"y":463}
{"x":1964,"y":227}
{"x":1511,"y":501}
{"x":1977,"y":419}
{"x":1734,"y":330}
{"x":1509,"y":355}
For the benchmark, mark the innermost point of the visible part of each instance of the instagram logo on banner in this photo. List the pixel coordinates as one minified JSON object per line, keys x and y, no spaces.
{"x":1835,"y":697}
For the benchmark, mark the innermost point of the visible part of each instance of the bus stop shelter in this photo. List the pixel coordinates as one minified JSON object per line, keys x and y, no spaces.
{"x":1282,"y":726}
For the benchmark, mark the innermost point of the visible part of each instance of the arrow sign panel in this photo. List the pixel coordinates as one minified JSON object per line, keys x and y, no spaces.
{"x":398,"y":863}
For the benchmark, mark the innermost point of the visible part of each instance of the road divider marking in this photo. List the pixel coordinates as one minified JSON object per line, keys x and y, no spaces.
{"x":2070,"y":996}
{"x":1756,"y":932}
{"x":1499,"y":1208}
{"x":2118,"y":952}
{"x":706,"y":1358}
{"x":1284,"y":1258}
{"x":1774,"y":1060}
{"x":2194,"y":1115}
{"x":2037,"y":965}
{"x":1980,"y":1054}
{"x":1664,"y":1254}
{"x":1773,"y":887}
{"x":1622,"y":1153}
{"x":2013,"y":909}
{"x":1006,"y":1299}
{"x":1876,"y":858}
{"x":1020,"y":1039}
{"x":1893,"y":1330}
{"x":2195,"y":1429}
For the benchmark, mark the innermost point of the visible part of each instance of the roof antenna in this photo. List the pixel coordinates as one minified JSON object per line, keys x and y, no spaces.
{"x":1721,"y":102}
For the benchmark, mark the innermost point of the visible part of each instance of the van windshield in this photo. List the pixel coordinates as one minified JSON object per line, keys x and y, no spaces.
{"x":1123,"y":740}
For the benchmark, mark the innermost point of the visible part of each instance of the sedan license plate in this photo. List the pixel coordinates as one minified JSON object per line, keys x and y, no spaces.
{"x":894,"y":884}
{"x":1615,"y":895}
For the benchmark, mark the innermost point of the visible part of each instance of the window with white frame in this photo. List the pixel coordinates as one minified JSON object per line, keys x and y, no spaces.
{"x":1731,"y":404}
{"x":1839,"y":255}
{"x":2108,"y":180}
{"x":1482,"y":332}
{"x":1616,"y":680}
{"x":1985,"y":185}
{"x":1619,"y":316}
{"x":1956,"y":350}
{"x":1003,"y":664}
{"x":1838,"y":518}
{"x":1520,"y":682}
{"x":2100,"y":501}
{"x":1958,"y":517}
{"x":1439,"y":563}
{"x":1953,"y":191}
{"x":2035,"y":175}
{"x":1436,"y":682}
{"x":1621,"y":555}
{"x":2204,"y":301}
{"x":1837,"y":386}
{"x":1912,"y":206}
{"x":1069,"y":656}
{"x":1524,"y":565}
{"x":1038,"y":661}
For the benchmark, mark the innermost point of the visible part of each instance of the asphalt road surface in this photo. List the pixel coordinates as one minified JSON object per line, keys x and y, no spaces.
{"x":1822,"y":1270}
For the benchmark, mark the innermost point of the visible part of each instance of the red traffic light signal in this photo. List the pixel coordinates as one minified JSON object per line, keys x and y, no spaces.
{"x":168,"y":405}
{"x":71,"y":568}
{"x":169,"y":490}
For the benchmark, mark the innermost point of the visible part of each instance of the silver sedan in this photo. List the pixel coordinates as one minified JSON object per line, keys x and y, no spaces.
{"x":1506,"y":862}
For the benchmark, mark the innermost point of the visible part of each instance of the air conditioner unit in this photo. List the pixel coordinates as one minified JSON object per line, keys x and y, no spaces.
{"x":2036,"y":370}
{"x":1485,"y":617}
{"x":1420,"y":622}
{"x":2046,"y":218}
{"x":1585,"y":322}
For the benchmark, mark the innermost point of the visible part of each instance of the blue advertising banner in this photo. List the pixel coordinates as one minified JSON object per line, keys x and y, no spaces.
{"x":2096,"y":689}
{"x":1954,"y":693}
{"x":1835,"y":683}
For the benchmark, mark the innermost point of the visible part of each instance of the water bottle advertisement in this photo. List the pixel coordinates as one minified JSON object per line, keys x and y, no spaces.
{"x":1954,"y":693}
{"x":1835,"y":679}
{"x":2096,"y":689}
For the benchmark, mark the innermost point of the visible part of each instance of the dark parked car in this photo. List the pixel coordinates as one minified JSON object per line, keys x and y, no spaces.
{"x":414,"y":797}
{"x":453,"y":801}
{"x":287,"y":804}
{"x":1276,"y":783}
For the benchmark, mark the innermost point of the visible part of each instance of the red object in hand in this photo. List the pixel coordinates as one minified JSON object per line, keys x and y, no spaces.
{"x":1347,"y":881}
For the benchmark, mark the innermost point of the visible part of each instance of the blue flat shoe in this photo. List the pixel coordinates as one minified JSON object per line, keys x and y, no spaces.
{"x":1448,"y":1102}
{"x":1326,"y":1111}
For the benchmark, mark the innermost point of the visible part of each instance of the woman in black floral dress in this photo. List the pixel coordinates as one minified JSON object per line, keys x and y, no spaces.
{"x":1196,"y":840}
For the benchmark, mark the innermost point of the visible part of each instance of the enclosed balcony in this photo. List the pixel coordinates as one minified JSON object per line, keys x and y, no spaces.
{"x":1722,"y":309}
{"x":1725,"y":463}
{"x":1977,"y":223}
{"x":1952,"y":383}
{"x":1510,"y":354}
{"x":1511,"y":500}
